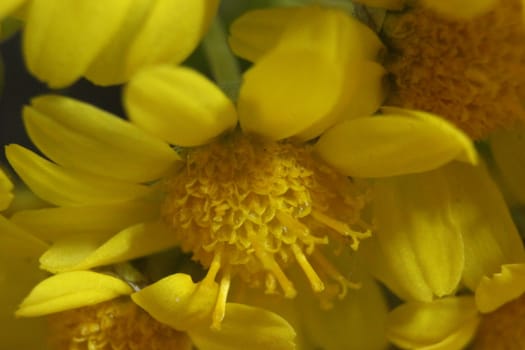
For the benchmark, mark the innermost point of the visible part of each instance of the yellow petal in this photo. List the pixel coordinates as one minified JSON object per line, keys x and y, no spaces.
{"x":170,"y":32}
{"x":61,"y":37}
{"x":394,"y":144}
{"x":179,"y":302}
{"x":246,"y":327}
{"x":8,"y":6}
{"x":85,"y":251}
{"x":178,"y":105}
{"x":360,"y":317}
{"x":16,"y":242}
{"x":68,"y":187}
{"x":80,"y":136}
{"x":255,"y":32}
{"x":417,"y":249}
{"x":443,"y":324}
{"x":6,"y":186}
{"x":507,"y":149}
{"x":490,"y":236}
{"x":282,"y":95}
{"x":52,"y":223}
{"x":460,"y":9}
{"x":387,"y":4}
{"x":71,"y":290}
{"x":500,"y":288}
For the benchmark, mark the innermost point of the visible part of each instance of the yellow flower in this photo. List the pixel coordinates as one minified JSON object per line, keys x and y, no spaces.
{"x":107,"y":42}
{"x":257,"y":205}
{"x":19,"y":252}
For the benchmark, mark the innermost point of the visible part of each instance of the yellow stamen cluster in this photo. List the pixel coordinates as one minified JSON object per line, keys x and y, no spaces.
{"x":503,"y":328}
{"x":470,"y":72}
{"x":114,"y":325}
{"x":248,"y":207}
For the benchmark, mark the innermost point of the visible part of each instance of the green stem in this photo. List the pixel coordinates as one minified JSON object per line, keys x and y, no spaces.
{"x":224,"y":66}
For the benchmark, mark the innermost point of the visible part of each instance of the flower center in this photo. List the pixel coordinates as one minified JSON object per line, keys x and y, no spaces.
{"x":251,"y":208}
{"x":470,"y":72}
{"x":116,"y":324}
{"x":503,"y":328}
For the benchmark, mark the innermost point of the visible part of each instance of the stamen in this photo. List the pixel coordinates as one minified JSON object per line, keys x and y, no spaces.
{"x":315,"y":281}
{"x":332,"y":271}
{"x":270,"y":264}
{"x":214,"y":268}
{"x":342,"y":228}
{"x":220,"y":305}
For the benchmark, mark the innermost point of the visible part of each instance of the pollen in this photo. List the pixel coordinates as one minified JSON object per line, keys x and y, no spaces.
{"x":114,"y":325}
{"x":503,"y":329}
{"x":253,"y":209}
{"x":470,"y":72}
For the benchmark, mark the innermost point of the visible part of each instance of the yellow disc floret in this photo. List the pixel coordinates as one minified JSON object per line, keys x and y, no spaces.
{"x":114,"y":325}
{"x":248,"y":207}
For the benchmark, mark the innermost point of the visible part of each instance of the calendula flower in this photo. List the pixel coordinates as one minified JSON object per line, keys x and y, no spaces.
{"x":107,"y":42}
{"x":19,"y":253}
{"x":255,"y":204}
{"x":456,"y":232}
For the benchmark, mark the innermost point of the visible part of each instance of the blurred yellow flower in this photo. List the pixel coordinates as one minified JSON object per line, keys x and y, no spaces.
{"x":107,"y":42}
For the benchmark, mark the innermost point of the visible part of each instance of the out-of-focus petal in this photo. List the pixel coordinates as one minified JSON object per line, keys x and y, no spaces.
{"x":71,"y":290}
{"x":17,"y":243}
{"x":62,"y":37}
{"x":257,"y":31}
{"x":246,"y":327}
{"x":394,"y":144}
{"x":8,"y":6}
{"x":500,"y":288}
{"x":507,"y":149}
{"x":50,"y":224}
{"x":361,"y":317}
{"x":460,"y":9}
{"x":170,"y":33}
{"x":178,"y":105}
{"x":443,"y":324}
{"x":179,"y":302}
{"x":86,"y":251}
{"x":6,"y":187}
{"x":68,"y":187}
{"x":417,"y":249}
{"x":80,"y":136}
{"x":490,"y":236}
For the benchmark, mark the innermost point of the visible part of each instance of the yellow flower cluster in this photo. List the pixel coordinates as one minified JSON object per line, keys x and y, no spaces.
{"x":259,"y":201}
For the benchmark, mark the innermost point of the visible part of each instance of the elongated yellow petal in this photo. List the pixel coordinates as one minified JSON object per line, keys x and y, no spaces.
{"x":417,"y":249}
{"x":80,"y":136}
{"x":16,"y":242}
{"x":86,"y":251}
{"x":170,"y":32}
{"x":68,"y":187}
{"x":500,"y":288}
{"x":507,"y":149}
{"x":71,"y":290}
{"x":393,"y":144}
{"x":387,"y":4}
{"x":490,"y":236}
{"x":246,"y":327}
{"x":52,"y":223}
{"x":8,"y":6}
{"x":360,"y":316}
{"x":179,"y":302}
{"x":178,"y":105}
{"x":443,"y":324}
{"x":460,"y":9}
{"x":6,"y":186}
{"x":61,"y":37}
